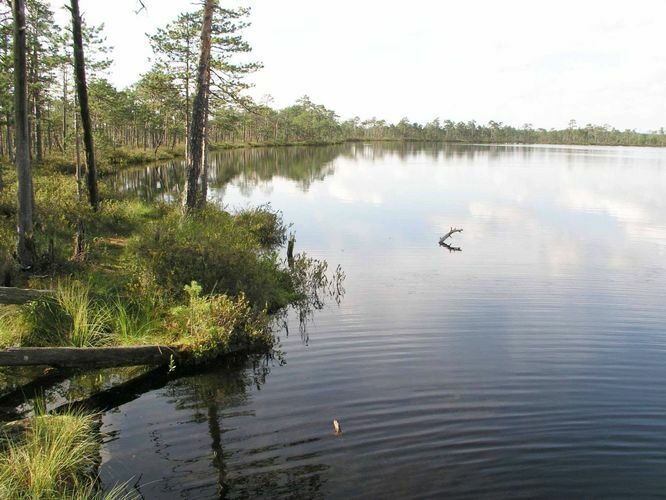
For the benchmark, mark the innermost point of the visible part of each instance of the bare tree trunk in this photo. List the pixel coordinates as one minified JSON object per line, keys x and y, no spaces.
{"x":197,"y":141}
{"x":10,"y":146}
{"x":79,"y":236}
{"x":37,"y":109}
{"x":25,"y":246}
{"x":64,"y":108}
{"x":82,"y":91}
{"x":203,"y":179}
{"x":77,"y":148}
{"x":187,"y":97}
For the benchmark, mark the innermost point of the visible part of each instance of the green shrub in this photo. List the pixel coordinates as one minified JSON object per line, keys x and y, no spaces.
{"x":214,"y":324}
{"x":264,"y":224}
{"x":212,"y":249}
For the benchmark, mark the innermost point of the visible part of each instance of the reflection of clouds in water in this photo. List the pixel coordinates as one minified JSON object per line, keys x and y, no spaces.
{"x":360,"y":182}
{"x":638,"y":213}
{"x":350,"y":195}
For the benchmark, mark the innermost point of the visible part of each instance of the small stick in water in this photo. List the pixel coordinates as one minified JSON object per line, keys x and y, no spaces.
{"x":448,"y":235}
{"x":337,"y":427}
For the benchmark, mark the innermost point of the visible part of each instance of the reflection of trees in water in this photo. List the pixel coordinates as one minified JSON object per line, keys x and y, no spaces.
{"x":210,"y":397}
{"x":435,"y":150}
{"x":162,"y":182}
{"x":302,"y":164}
{"x":248,"y":167}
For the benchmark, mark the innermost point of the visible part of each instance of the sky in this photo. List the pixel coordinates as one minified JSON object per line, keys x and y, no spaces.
{"x":512,"y":61}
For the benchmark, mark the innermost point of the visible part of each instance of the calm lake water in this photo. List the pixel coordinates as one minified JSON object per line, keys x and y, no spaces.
{"x":530,"y":363}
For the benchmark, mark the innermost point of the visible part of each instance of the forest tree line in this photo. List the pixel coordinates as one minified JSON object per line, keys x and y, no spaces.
{"x":155,"y":112}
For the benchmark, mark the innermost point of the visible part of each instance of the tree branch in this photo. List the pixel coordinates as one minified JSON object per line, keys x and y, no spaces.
{"x":448,"y":235}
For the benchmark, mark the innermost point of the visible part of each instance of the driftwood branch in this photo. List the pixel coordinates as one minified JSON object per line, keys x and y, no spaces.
{"x":448,"y":235}
{"x":442,"y":240}
{"x":87,"y":357}
{"x":12,"y":295}
{"x":450,"y":248}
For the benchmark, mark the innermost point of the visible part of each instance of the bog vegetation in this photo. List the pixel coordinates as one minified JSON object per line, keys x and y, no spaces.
{"x":131,"y":272}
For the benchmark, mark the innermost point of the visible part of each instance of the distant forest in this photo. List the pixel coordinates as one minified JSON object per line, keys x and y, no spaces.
{"x":155,"y":112}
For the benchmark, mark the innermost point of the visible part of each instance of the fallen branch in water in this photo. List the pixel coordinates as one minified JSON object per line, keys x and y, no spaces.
{"x":88,"y":357}
{"x":448,"y":235}
{"x":449,"y":247}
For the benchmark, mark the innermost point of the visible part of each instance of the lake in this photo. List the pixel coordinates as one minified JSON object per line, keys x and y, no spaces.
{"x":530,"y":363}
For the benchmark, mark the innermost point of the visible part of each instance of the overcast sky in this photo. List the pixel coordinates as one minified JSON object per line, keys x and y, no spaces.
{"x":515,"y":61}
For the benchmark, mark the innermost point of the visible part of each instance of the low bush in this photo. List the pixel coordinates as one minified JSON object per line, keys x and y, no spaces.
{"x":224,"y":256}
{"x":264,"y":224}
{"x":211,"y":325}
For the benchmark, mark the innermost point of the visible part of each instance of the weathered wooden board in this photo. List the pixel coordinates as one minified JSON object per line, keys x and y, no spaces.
{"x":87,"y":357}
{"x":12,"y":295}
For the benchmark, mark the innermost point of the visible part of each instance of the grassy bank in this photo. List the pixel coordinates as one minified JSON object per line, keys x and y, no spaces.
{"x":205,"y":284}
{"x":148,"y":275}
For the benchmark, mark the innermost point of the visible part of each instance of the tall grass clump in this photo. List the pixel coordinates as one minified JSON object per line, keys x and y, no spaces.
{"x":53,"y":458}
{"x":70,"y":318}
{"x":133,"y":323}
{"x":10,"y":332}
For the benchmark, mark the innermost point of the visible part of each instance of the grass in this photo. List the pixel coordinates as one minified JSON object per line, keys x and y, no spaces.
{"x":10,"y":332}
{"x":70,"y":318}
{"x":133,"y":323}
{"x":130,"y":287}
{"x":89,"y":322}
{"x":53,"y":456}
{"x":204,"y":283}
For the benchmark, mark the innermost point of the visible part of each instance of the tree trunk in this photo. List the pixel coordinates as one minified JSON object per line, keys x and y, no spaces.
{"x":25,"y":246}
{"x":82,"y":91}
{"x":64,"y":108}
{"x":79,"y":236}
{"x":187,"y":96}
{"x":203,"y":178}
{"x":10,"y":146}
{"x":37,"y":110}
{"x":197,"y":141}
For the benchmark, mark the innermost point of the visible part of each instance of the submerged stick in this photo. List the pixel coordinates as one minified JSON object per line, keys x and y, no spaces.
{"x":290,"y":251}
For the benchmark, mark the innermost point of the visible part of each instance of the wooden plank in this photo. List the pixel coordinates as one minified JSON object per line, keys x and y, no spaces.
{"x":12,"y":295}
{"x":87,"y":357}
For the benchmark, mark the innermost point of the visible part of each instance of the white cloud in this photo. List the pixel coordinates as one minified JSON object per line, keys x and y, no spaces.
{"x":515,"y":61}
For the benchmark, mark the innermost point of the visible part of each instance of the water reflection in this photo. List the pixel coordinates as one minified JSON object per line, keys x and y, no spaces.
{"x":247,"y":168}
{"x":531,"y":364}
{"x":176,"y":460}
